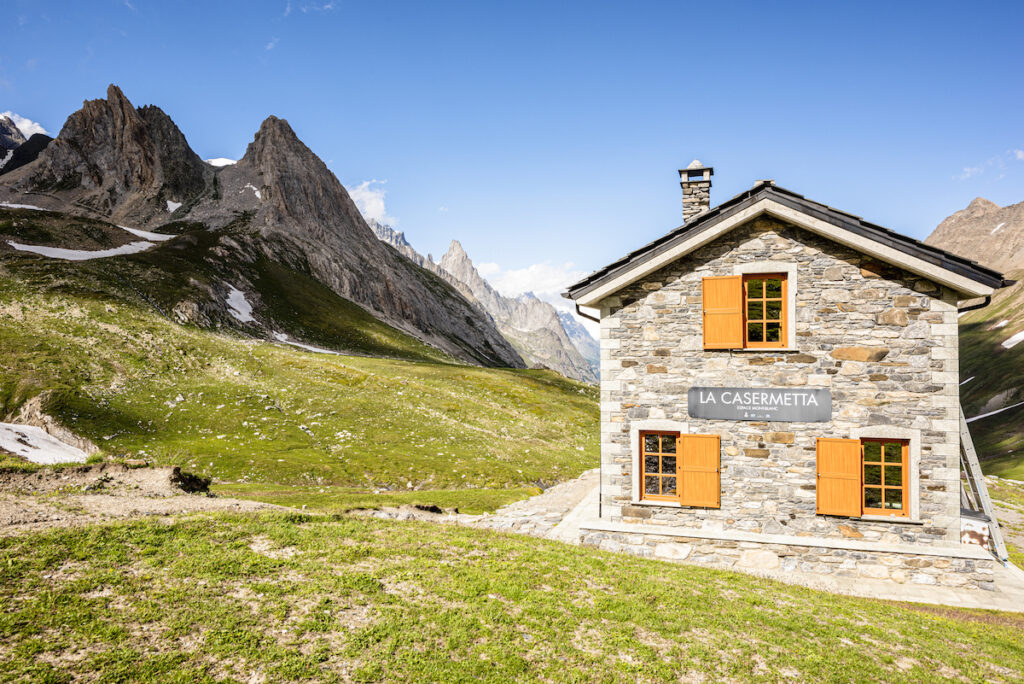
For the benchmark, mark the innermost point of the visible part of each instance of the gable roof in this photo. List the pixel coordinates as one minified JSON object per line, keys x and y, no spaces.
{"x":963,"y":275}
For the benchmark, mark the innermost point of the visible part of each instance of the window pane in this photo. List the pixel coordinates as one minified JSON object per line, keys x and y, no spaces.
{"x":755,"y":311}
{"x":651,"y":485}
{"x":668,"y":465}
{"x":668,"y":485}
{"x":755,"y":288}
{"x":774,"y":311}
{"x":650,"y":464}
{"x":755,"y":332}
{"x":872,"y":451}
{"x":651,"y":443}
{"x":773,"y":288}
{"x":894,"y":499}
{"x":872,"y":498}
{"x":668,"y":444}
{"x":772,"y":331}
{"x":893,"y":476}
{"x":894,"y":452}
{"x":872,"y":475}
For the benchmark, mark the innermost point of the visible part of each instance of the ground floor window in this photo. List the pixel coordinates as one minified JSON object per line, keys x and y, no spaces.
{"x":867,"y":476}
{"x":658,"y":460}
{"x":682,"y":468}
{"x":885,"y":476}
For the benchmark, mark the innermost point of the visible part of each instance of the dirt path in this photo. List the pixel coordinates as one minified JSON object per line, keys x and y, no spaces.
{"x":85,"y":495}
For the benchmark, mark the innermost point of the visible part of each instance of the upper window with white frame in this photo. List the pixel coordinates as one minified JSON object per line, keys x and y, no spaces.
{"x":746,"y":311}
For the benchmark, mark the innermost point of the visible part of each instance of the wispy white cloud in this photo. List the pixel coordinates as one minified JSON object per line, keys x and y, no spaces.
{"x":273,"y":43}
{"x":997,"y":163}
{"x":370,"y":197}
{"x":546,"y":280}
{"x":443,"y":209}
{"x":27,"y":127}
{"x":129,"y":5}
{"x":287,"y":8}
{"x":317,"y":7}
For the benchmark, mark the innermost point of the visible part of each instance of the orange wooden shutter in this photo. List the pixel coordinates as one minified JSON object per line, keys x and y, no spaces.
{"x":723,"y":312}
{"x":698,"y":470}
{"x":839,"y":481}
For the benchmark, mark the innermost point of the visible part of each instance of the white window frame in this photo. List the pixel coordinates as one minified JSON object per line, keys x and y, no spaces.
{"x":789,"y":268}
{"x":649,"y":425}
{"x":912,"y":436}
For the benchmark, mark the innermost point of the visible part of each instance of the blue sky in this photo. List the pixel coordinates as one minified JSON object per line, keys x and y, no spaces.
{"x":546,"y":136}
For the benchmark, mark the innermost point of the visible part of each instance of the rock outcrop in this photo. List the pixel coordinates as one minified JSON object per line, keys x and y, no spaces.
{"x":984,"y":231}
{"x":115,"y":162}
{"x":10,"y":135}
{"x":26,"y":153}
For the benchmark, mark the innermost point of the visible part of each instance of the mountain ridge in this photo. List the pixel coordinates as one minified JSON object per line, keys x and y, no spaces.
{"x":280,"y":203}
{"x":533,"y":327}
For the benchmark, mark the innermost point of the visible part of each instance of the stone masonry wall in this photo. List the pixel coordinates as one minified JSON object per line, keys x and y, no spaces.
{"x":882,"y":340}
{"x":963,"y":573}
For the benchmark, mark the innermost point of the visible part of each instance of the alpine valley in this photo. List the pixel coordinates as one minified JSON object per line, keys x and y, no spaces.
{"x":243,"y":320}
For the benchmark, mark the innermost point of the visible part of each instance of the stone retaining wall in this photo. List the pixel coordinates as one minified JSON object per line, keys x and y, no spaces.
{"x":961,"y":573}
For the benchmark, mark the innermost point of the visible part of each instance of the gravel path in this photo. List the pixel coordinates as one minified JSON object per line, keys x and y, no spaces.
{"x":538,"y":516}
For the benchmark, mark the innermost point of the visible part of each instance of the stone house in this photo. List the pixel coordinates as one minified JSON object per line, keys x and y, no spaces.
{"x":780,"y":390}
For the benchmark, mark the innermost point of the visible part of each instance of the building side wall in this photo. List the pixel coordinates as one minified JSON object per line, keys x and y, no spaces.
{"x":848,"y":311}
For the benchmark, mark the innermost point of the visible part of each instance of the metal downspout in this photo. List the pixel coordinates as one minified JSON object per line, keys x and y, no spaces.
{"x":600,"y":459}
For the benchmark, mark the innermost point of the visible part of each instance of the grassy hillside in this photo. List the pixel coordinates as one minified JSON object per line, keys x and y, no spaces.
{"x":191,"y":268}
{"x":246,"y":411}
{"x":998,"y":379}
{"x":287,"y":598}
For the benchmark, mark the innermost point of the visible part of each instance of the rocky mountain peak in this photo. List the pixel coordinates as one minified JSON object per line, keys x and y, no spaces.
{"x":10,"y":135}
{"x":980,"y":203}
{"x":121,"y":162}
{"x":456,"y":251}
{"x":984,"y":231}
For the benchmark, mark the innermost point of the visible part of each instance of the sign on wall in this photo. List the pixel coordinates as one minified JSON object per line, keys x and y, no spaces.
{"x":760,"y":403}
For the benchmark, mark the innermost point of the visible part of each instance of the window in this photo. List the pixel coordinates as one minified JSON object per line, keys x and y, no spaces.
{"x":685,"y":469}
{"x":658,"y":459}
{"x":885,"y":476}
{"x":745,"y":311}
{"x":862,"y":477}
{"x":764,"y":310}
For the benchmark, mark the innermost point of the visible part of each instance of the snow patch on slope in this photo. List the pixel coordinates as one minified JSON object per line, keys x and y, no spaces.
{"x":1014,"y":341}
{"x":156,"y":237}
{"x":250,"y":186}
{"x":996,"y":229}
{"x":172,"y":206}
{"x":220,"y":161}
{"x":992,"y":413}
{"x":11,"y":205}
{"x":319,"y":350}
{"x":81,"y":254}
{"x":1000,"y":324}
{"x":37,"y":445}
{"x":239,"y":308}
{"x":7,"y":158}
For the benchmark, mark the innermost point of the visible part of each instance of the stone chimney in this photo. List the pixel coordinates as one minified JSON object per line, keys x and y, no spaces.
{"x":695,"y":180}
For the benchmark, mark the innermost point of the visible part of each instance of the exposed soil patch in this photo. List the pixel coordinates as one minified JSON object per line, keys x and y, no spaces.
{"x":82,"y":495}
{"x":104,"y":478}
